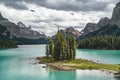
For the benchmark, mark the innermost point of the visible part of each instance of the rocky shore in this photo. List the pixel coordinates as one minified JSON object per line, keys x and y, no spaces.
{"x":60,"y":67}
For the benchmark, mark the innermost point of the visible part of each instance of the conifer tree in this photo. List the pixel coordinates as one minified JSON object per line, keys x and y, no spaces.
{"x":47,"y":50}
{"x":63,"y":48}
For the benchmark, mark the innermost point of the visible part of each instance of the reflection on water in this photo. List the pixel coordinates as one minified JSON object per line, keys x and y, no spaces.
{"x":55,"y":74}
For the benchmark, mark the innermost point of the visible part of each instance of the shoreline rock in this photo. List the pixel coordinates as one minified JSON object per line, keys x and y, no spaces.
{"x":108,"y":71}
{"x":60,"y":67}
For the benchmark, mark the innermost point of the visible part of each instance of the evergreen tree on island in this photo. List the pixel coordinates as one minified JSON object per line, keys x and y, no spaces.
{"x":62,"y":48}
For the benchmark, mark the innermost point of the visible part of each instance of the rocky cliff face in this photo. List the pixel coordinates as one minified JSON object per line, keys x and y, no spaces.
{"x":1,"y":17}
{"x":116,"y":15}
{"x":27,"y":32}
{"x":108,"y":26}
{"x":4,"y":34}
{"x":20,"y":31}
{"x":75,"y":33}
{"x":102,"y":22}
{"x":20,"y":24}
{"x":90,"y":27}
{"x":12,"y":28}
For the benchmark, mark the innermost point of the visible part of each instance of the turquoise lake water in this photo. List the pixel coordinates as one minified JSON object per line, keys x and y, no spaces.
{"x":101,"y":56}
{"x":17,"y":64}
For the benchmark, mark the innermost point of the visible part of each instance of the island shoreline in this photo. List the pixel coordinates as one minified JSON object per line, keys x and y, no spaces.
{"x":65,"y":67}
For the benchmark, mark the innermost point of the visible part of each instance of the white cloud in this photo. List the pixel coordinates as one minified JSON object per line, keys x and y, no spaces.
{"x":47,"y":20}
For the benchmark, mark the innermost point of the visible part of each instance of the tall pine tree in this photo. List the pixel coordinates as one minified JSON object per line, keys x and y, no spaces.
{"x":62,"y":48}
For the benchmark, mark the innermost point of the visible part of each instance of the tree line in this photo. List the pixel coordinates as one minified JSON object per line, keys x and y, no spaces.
{"x":7,"y":44}
{"x":100,"y":42}
{"x":62,"y":47}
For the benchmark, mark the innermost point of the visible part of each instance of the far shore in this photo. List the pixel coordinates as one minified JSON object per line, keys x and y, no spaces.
{"x":82,"y":64}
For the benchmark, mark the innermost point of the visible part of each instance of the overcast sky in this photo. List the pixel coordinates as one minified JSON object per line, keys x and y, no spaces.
{"x":47,"y":15}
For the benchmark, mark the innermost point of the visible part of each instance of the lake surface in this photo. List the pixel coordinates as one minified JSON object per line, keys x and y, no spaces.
{"x":17,"y":64}
{"x":101,"y":56}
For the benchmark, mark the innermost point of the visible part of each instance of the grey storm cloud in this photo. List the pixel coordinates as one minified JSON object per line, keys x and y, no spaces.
{"x":14,"y":4}
{"x":67,"y":5}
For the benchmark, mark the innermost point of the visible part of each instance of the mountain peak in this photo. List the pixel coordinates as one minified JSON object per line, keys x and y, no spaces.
{"x":89,"y":28}
{"x":70,"y":29}
{"x":116,"y":15}
{"x":104,"y":18}
{"x":103,"y":21}
{"x":75,"y":33}
{"x":118,"y":4}
{"x":1,"y":17}
{"x":20,"y":24}
{"x":0,"y":14}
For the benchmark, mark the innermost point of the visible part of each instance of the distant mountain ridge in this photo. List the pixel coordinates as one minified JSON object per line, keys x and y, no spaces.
{"x":21,"y":33}
{"x":90,"y":27}
{"x":116,"y":15}
{"x":70,"y":30}
{"x":106,"y":26}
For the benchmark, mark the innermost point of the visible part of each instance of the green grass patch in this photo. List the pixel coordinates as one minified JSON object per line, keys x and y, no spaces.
{"x":81,"y":64}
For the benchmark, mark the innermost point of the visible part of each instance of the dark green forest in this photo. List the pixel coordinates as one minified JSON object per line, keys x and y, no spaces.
{"x":100,"y":42}
{"x":7,"y":44}
{"x":62,"y":48}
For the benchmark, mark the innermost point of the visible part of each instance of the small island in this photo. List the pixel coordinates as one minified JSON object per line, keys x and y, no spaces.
{"x":71,"y":65}
{"x":61,"y":52}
